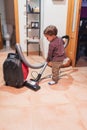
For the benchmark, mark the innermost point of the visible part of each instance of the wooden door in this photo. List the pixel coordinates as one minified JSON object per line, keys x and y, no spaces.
{"x":73,"y":20}
{"x":1,"y":41}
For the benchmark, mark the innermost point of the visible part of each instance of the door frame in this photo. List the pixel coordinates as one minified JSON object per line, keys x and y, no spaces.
{"x":16,"y":15}
{"x":71,"y":50}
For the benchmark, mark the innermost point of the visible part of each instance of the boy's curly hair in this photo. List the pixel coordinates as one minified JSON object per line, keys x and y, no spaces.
{"x":50,"y":30}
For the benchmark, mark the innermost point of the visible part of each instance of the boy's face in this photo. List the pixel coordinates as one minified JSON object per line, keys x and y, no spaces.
{"x":50,"y":38}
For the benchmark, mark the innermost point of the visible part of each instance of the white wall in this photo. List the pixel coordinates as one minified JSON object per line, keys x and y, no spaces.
{"x":22,"y":23}
{"x":55,"y":13}
{"x":52,"y":12}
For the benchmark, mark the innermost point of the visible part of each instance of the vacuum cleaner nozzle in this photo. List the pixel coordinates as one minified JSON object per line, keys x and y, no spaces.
{"x":32,"y":85}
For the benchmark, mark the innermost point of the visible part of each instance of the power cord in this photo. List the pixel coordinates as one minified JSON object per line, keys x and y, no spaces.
{"x":34,"y":73}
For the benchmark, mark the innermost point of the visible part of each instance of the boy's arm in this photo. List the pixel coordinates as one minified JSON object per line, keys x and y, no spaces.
{"x":50,"y":53}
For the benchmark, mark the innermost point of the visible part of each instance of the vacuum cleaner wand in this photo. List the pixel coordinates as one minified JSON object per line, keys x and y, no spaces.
{"x":41,"y":72}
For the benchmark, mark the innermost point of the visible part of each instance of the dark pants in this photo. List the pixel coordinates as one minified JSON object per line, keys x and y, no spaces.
{"x":55,"y":70}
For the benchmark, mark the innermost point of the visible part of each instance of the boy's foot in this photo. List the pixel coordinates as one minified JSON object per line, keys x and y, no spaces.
{"x":52,"y":82}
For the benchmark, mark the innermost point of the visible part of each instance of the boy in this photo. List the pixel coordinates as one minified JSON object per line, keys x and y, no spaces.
{"x":56,"y":53}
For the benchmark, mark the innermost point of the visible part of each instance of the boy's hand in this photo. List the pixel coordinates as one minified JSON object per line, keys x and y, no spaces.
{"x":49,"y":64}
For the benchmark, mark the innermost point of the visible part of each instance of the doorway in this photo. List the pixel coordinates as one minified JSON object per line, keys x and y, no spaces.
{"x":82,"y":35}
{"x":8,"y":21}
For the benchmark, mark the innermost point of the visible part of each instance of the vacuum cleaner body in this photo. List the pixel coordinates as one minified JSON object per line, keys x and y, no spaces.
{"x":15,"y":72}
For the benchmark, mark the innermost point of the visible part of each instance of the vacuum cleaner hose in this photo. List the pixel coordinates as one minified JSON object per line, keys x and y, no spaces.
{"x":20,"y":53}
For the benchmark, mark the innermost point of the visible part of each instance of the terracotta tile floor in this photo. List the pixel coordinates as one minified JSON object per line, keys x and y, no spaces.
{"x":59,"y":107}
